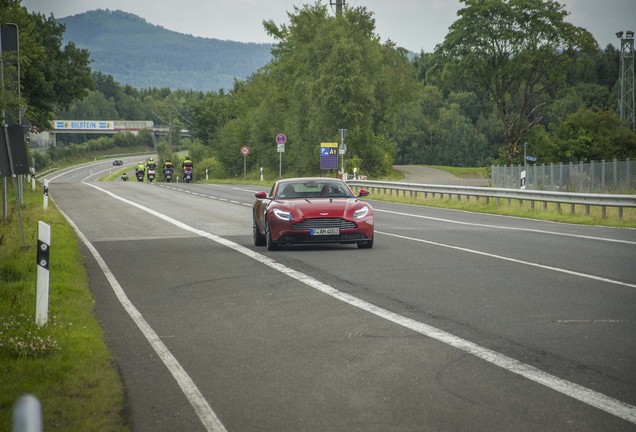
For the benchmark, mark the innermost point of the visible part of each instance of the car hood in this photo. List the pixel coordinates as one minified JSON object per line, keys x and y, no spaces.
{"x":322,"y":207}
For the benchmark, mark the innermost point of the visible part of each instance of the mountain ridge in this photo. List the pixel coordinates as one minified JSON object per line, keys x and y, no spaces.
{"x":145,"y":55}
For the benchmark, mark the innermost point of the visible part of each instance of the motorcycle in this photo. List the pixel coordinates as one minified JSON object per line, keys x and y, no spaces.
{"x":187,"y":175}
{"x":167,"y":175}
{"x":140,"y":176}
{"x":151,"y":174}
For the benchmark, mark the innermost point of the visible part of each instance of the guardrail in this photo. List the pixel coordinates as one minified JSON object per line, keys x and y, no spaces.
{"x":573,"y":199}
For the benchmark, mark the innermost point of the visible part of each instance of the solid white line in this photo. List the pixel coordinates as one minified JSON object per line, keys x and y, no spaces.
{"x":506,"y":228}
{"x":84,"y":166}
{"x":205,"y":413}
{"x":518,"y":261}
{"x":610,"y":405}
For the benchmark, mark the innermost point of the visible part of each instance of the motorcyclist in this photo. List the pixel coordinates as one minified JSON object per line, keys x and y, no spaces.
{"x":124,"y":176}
{"x":187,"y":164}
{"x":140,"y":167}
{"x":167,"y":165}
{"x":151,"y":164}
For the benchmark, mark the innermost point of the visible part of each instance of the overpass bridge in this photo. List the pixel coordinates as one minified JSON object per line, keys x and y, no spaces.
{"x":99,"y":127}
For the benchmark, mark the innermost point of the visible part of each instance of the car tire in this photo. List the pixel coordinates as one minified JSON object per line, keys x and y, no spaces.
{"x":259,"y":239}
{"x":271,"y":244}
{"x":366,"y":244}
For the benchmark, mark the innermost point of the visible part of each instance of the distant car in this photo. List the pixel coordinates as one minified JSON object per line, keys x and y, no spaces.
{"x":311,"y":210}
{"x":118,"y":162}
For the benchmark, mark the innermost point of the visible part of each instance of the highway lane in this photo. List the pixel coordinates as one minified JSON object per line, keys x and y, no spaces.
{"x":267,"y":351}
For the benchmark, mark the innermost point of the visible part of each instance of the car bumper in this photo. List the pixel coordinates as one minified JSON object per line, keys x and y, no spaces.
{"x":282,"y":233}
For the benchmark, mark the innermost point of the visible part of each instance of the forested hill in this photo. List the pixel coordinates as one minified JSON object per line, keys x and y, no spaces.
{"x":144,"y":55}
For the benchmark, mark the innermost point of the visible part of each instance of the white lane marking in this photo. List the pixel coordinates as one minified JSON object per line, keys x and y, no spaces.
{"x":205,"y":413}
{"x":84,"y":166}
{"x":505,"y":228}
{"x":610,"y":405}
{"x":515,"y":260}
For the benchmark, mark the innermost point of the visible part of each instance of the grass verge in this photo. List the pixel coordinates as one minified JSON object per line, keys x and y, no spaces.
{"x":65,"y":364}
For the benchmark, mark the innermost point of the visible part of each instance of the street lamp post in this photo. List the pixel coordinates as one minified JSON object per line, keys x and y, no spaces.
{"x":626,"y":78}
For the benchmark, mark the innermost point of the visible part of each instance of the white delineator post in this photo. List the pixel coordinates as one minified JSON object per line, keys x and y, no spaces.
{"x":46,"y":194}
{"x":42,"y":293}
{"x":27,"y":414}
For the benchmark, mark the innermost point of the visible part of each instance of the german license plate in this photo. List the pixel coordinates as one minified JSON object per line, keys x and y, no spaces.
{"x":324,"y":231}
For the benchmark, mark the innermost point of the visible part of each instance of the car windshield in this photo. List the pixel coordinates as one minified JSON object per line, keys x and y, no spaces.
{"x":313,"y":189}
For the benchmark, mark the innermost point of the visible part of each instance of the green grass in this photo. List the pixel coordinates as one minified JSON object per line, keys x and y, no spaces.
{"x":65,"y":364}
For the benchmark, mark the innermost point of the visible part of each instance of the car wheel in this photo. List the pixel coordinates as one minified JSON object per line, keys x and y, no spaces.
{"x":271,"y":244}
{"x":259,"y":239}
{"x":366,"y":244}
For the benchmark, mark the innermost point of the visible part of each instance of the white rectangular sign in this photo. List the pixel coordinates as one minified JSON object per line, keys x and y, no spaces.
{"x":83,"y":124}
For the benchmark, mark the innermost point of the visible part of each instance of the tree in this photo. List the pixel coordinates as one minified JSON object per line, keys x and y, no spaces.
{"x":209,"y":114}
{"x":518,"y":52}
{"x":589,"y":134}
{"x":327,"y":73}
{"x":459,"y":143}
{"x":50,"y":74}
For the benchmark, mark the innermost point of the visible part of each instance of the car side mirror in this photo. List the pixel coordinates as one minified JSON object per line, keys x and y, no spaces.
{"x":260,"y":195}
{"x":363,"y":193}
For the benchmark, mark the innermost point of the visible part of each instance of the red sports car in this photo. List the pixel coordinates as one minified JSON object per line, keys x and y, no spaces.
{"x":312,"y":210}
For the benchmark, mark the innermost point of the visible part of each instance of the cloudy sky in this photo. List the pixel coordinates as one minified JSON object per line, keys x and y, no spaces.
{"x":412,"y":24}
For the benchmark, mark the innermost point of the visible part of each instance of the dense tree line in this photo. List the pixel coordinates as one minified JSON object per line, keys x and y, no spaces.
{"x":50,"y":75}
{"x":508,"y":73}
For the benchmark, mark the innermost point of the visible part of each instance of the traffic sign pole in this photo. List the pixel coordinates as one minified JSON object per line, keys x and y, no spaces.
{"x":342,"y":150}
{"x":281,"y":139}
{"x":245,"y":150}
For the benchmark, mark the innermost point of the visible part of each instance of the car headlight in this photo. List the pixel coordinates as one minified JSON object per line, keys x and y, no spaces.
{"x":361,"y":212}
{"x":284,"y":215}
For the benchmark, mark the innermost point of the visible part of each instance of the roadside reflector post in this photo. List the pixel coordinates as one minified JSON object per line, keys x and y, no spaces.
{"x":46,"y":194}
{"x":27,"y":414}
{"x":42,"y":290}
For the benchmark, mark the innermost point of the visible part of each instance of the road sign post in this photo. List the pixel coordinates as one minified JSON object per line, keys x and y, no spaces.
{"x":343,"y":150}
{"x":245,"y":150}
{"x":281,"y":139}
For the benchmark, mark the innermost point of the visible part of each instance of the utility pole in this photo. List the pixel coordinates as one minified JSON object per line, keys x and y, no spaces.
{"x":626,"y":78}
{"x":338,"y":4}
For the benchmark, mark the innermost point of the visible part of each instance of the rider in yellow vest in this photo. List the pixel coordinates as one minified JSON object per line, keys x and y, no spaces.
{"x":187,"y":164}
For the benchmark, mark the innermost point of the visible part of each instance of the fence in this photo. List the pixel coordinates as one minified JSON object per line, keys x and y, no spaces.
{"x":593,"y":177}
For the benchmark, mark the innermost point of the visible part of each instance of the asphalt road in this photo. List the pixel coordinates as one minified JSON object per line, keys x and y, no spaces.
{"x":452,"y":322}
{"x":427,"y":175}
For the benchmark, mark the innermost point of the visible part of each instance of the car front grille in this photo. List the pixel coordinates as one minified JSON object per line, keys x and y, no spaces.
{"x":324,"y":223}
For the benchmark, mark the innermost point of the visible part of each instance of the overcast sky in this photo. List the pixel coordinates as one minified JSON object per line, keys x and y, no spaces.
{"x":413,"y":24}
